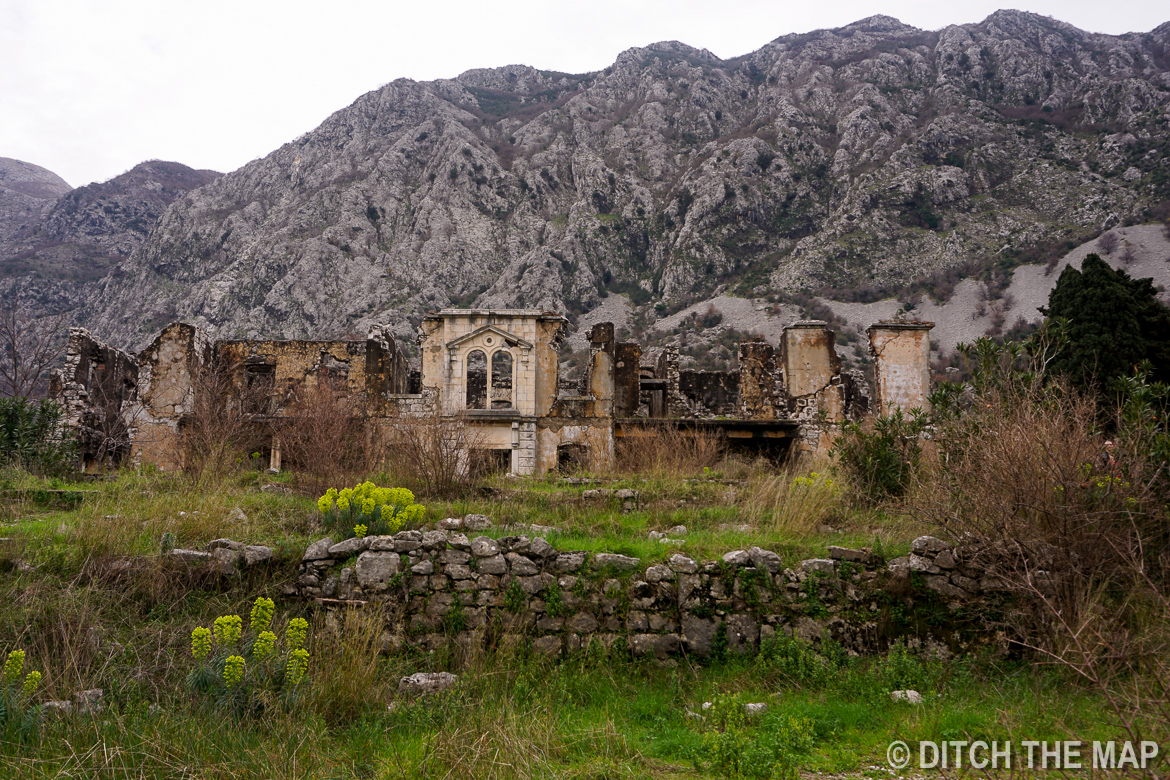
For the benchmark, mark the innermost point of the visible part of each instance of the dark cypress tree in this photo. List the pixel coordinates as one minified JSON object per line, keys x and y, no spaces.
{"x":1113,"y":322}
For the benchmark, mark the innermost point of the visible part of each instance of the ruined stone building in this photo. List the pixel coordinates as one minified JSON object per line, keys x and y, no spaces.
{"x":497,"y":372}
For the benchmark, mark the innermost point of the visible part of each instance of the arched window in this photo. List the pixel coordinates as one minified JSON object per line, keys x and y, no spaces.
{"x":502,"y":380}
{"x":476,"y":380}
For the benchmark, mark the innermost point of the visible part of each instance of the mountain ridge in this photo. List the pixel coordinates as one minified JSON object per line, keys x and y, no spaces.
{"x":857,"y":160}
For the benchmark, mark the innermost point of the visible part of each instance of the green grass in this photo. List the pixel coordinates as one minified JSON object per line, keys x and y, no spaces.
{"x":87,"y":623}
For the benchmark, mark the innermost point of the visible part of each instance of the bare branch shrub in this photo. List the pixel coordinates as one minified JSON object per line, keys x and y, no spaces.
{"x":323,"y":437}
{"x":432,"y":451}
{"x":1107,"y":242}
{"x":667,"y":450}
{"x":1075,"y":536}
{"x":29,"y":346}
{"x":1128,"y":255}
{"x":221,"y":428}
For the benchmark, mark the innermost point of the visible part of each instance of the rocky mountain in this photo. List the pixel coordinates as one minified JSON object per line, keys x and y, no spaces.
{"x":71,"y":238}
{"x":851,"y":162}
{"x":26,"y":192}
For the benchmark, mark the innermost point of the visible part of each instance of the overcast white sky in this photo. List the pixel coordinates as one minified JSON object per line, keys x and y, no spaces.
{"x":90,"y":88}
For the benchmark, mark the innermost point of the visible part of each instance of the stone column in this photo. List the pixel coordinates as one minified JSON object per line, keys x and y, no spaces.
{"x":901,"y":352}
{"x":757,"y":383}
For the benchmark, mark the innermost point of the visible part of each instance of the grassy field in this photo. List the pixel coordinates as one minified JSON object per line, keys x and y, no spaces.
{"x":86,"y":594}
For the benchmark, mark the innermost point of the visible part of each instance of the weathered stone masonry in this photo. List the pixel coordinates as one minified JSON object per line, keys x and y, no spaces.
{"x":496,"y":370}
{"x":438,"y":587}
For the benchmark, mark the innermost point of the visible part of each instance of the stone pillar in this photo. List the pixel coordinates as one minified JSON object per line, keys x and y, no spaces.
{"x":901,"y":352}
{"x":757,"y":384}
{"x":810,"y":361}
{"x":627,"y":382}
{"x":667,"y":370}
{"x":601,"y":369}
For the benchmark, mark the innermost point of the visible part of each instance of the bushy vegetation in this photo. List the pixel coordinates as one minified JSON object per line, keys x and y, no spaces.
{"x":32,"y":438}
{"x":223,"y":675}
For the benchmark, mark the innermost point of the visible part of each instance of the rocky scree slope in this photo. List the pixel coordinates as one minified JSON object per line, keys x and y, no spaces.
{"x":865,"y":156}
{"x":53,"y":260}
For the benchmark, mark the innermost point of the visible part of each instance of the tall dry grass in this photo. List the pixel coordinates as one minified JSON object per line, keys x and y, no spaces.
{"x":131,"y":514}
{"x":666,"y":450}
{"x":348,"y":676}
{"x":796,"y":501}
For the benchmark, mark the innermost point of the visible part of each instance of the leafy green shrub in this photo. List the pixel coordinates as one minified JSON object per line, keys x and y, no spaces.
{"x":247,"y":672}
{"x":368,"y":509}
{"x":881,"y":459}
{"x":31,"y":436}
{"x":796,"y":661}
{"x":738,"y":745}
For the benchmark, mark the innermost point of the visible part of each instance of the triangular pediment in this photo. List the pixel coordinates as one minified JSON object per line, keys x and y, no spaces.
{"x":511,"y":339}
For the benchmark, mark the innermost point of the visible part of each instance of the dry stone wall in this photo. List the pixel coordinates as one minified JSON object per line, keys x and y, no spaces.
{"x":437,"y":587}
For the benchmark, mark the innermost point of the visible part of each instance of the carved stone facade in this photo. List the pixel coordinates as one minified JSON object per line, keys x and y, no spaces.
{"x":496,"y":370}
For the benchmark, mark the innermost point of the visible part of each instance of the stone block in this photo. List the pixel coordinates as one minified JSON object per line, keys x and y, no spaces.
{"x":569,"y":561}
{"x":521,"y":566}
{"x":495,"y":564}
{"x":454,"y":556}
{"x":819,"y":566}
{"x":458,"y":571}
{"x":928,"y":545}
{"x":484,"y":547}
{"x":658,"y":645}
{"x":318,"y":550}
{"x":659,"y":573}
{"x":738,"y":558}
{"x":190,"y":556}
{"x":434,"y":540}
{"x":619,"y":562}
{"x":698,"y":634}
{"x":255,"y":554}
{"x":374,"y":570}
{"x":583,"y":623}
{"x":349,"y":547}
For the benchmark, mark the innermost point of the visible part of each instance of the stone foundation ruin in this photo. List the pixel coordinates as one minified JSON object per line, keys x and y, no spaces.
{"x":497,"y":371}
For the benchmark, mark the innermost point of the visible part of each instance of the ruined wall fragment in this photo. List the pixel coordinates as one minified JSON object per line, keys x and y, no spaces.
{"x":901,"y":352}
{"x":92,"y":386}
{"x":627,"y":379}
{"x":709,"y":394}
{"x":173,"y":368}
{"x":757,"y":381}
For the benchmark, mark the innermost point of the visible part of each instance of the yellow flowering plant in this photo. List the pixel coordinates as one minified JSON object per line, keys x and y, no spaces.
{"x":372,"y":509}
{"x":247,"y":671}
{"x":18,"y":715}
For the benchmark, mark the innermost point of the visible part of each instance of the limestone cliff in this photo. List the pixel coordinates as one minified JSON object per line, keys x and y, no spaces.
{"x":868,"y":155}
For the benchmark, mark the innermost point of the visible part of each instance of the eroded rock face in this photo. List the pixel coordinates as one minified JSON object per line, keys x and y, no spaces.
{"x":871,"y":153}
{"x":74,"y":237}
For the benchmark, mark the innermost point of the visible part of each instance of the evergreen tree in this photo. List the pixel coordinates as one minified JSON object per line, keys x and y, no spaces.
{"x":1112,"y":322}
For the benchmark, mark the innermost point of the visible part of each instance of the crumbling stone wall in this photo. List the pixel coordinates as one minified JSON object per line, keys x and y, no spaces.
{"x":525,"y":410}
{"x":170,"y":369}
{"x":92,"y":386}
{"x":758,"y":397}
{"x":440,"y":586}
{"x":710,"y":393}
{"x":901,"y":368}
